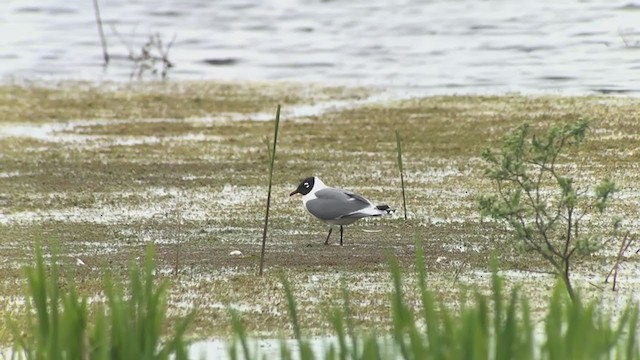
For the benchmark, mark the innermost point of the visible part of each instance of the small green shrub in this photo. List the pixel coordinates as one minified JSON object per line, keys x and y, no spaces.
{"x":540,"y":201}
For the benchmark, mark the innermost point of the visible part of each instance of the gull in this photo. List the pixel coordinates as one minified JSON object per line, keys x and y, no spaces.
{"x":336,"y":206}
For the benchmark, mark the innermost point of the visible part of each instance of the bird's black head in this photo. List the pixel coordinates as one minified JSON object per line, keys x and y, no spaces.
{"x":305,"y":186}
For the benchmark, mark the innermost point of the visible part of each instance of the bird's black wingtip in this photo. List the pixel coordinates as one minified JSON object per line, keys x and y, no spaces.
{"x":385,"y":208}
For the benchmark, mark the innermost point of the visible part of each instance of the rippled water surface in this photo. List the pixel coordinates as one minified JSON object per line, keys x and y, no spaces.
{"x":450,"y":46}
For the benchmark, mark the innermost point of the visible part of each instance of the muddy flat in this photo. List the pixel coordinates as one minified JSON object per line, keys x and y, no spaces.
{"x":100,"y":172}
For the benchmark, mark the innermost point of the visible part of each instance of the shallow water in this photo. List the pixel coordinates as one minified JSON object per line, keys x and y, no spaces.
{"x":456,"y":46}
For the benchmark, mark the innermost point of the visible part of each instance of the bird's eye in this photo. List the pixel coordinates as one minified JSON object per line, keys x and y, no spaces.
{"x":306,"y":185}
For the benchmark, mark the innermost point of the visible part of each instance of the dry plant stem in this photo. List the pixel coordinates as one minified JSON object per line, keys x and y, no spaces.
{"x":457,"y":273}
{"x":272,"y":159}
{"x":596,"y":286}
{"x":103,"y":40}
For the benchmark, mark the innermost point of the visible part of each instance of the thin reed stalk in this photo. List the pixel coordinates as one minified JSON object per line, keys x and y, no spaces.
{"x":272,"y":158}
{"x":399,"y":150}
{"x":103,"y":39}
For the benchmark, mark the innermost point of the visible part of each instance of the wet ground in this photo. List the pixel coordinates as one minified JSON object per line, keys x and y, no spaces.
{"x":103,"y":172}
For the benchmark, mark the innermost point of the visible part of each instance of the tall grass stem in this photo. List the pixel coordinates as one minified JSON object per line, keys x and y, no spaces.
{"x":272,"y":158}
{"x":399,"y":150}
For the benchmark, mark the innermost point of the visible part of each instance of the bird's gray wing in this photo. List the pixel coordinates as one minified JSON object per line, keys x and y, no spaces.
{"x":333,"y":204}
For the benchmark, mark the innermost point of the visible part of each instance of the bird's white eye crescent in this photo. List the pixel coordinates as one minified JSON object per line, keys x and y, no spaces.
{"x":306,"y":185}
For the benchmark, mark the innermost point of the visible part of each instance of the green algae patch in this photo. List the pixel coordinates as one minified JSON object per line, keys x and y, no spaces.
{"x":106,"y":170}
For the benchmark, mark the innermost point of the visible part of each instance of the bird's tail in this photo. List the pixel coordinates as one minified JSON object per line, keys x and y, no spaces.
{"x":373,"y":210}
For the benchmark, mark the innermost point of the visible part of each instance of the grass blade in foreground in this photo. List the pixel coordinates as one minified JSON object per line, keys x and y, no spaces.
{"x":476,"y":331}
{"x":131,"y":327}
{"x":240,"y":335}
{"x":272,"y":158}
{"x":305,"y":347}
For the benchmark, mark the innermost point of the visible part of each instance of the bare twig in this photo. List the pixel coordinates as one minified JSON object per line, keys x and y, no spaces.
{"x":126,"y":45}
{"x":165,"y":56}
{"x":596,"y":286}
{"x":153,"y":55}
{"x":624,"y":246}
